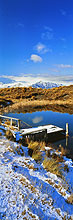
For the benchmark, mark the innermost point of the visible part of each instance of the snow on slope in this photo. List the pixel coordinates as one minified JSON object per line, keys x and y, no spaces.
{"x":28,"y":193}
{"x":45,"y":85}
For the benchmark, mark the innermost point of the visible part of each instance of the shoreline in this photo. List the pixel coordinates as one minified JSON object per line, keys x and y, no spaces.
{"x":30,"y":106}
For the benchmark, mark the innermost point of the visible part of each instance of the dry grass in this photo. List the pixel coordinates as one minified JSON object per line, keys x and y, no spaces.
{"x":64,"y":151}
{"x":70,"y":199}
{"x":33,"y":145}
{"x":52,"y":166}
{"x":9,"y":134}
{"x":62,"y":93}
{"x":66,"y":168}
{"x":37,"y":156}
{"x":42,"y":145}
{"x":19,"y":150}
{"x":36,"y":145}
{"x":7,"y":122}
{"x":58,"y":99}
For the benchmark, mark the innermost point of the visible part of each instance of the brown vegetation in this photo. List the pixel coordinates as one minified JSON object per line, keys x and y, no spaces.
{"x":35,"y":147}
{"x":31,"y":99}
{"x":52,"y":166}
{"x":70,"y":199}
{"x":9,"y":135}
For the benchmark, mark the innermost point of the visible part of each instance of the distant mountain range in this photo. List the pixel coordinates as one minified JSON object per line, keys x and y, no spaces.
{"x":45,"y":85}
{"x":8,"y":83}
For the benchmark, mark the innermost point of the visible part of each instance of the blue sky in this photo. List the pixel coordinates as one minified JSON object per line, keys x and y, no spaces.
{"x":36,"y":38}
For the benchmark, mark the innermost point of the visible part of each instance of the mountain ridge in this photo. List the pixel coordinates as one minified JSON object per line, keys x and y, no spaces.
{"x":40,"y":84}
{"x":45,"y":85}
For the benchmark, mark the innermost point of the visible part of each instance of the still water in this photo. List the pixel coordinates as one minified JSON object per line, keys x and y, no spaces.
{"x":49,"y":117}
{"x":46,"y":117}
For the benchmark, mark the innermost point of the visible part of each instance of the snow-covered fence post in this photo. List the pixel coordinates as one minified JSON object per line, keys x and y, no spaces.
{"x":67,"y":129}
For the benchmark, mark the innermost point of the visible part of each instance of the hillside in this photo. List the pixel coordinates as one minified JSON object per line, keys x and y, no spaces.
{"x":59,"y":99}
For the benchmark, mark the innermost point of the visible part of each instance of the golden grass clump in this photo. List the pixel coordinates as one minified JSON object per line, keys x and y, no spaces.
{"x":64,"y":151}
{"x":9,"y":134}
{"x":52,"y":166}
{"x":70,"y":199}
{"x":48,"y":153}
{"x":37,"y":155}
{"x":33,"y":145}
{"x":42,"y":145}
{"x":0,"y":121}
{"x":54,"y":156}
{"x":7,"y":122}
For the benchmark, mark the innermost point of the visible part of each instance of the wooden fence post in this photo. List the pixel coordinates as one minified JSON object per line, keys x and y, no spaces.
{"x":11,"y":122}
{"x":66,"y":141}
{"x":18,"y":124}
{"x":67,"y":129}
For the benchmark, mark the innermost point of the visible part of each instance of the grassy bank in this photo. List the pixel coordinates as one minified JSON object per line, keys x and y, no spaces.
{"x":33,"y":99}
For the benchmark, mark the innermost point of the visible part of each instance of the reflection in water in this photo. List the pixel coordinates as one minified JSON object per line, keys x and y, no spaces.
{"x":48,"y":117}
{"x":37,"y":120}
{"x":66,"y":141}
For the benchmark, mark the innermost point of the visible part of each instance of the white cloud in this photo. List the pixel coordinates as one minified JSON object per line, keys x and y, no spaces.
{"x":64,"y":65}
{"x":35,"y":58}
{"x":48,"y":28}
{"x":37,"y":119}
{"x":41,"y":48}
{"x":47,"y":34}
{"x":28,"y":80}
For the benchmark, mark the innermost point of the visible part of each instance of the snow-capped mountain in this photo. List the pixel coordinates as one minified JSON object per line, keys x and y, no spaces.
{"x":8,"y":83}
{"x":45,"y":85}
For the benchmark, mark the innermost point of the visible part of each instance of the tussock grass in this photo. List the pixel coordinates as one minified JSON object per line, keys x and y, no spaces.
{"x":57,"y":99}
{"x":54,"y":156}
{"x":52,"y":166}
{"x":0,"y":121}
{"x":42,"y":145}
{"x":9,"y":134}
{"x":7,"y":122}
{"x":64,"y":151}
{"x":37,"y":155}
{"x":70,"y":199}
{"x":36,"y":147}
{"x":66,"y":168}
{"x":33,"y":145}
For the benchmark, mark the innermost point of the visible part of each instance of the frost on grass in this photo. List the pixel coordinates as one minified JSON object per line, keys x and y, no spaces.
{"x":28,"y":191}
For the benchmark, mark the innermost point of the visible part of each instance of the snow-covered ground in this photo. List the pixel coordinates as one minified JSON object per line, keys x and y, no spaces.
{"x":27,"y":190}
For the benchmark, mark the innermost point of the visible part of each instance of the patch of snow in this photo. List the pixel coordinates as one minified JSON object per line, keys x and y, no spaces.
{"x":26,"y":192}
